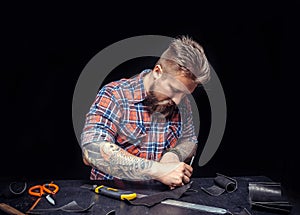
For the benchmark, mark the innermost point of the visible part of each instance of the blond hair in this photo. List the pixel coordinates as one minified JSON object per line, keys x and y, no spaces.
{"x":186,"y":56}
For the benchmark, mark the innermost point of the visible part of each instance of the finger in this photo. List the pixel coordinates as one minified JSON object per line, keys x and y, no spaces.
{"x":186,"y":179}
{"x":178,"y":180}
{"x":172,"y":187}
{"x":187,"y":173}
{"x":189,"y":168}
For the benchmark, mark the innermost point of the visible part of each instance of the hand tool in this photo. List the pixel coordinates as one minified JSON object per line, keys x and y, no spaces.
{"x":111,"y":192}
{"x":192,"y":160}
{"x":45,"y":189}
{"x":9,"y":209}
{"x":203,"y":208}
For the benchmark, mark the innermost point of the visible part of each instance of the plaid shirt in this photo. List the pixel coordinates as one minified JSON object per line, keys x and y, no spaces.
{"x":119,"y":116}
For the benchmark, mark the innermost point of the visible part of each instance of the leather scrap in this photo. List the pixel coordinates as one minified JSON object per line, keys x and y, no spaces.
{"x":222,"y":183}
{"x":71,"y":207}
{"x":156,"y":198}
{"x":14,"y":189}
{"x":267,"y":196}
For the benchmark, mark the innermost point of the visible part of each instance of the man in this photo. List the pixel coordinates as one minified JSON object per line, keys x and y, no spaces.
{"x":141,"y":128}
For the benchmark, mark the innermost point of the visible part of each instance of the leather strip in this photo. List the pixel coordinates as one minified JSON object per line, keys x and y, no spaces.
{"x":71,"y":207}
{"x":267,"y":196}
{"x":222,"y":183}
{"x":14,"y":189}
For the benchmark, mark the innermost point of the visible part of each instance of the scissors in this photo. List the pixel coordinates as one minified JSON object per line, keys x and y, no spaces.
{"x":42,"y":190}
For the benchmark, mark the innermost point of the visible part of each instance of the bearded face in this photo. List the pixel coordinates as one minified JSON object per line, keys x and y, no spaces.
{"x":166,"y":90}
{"x":165,"y":106}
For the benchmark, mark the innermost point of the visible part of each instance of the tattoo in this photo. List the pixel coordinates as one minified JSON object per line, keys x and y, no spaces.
{"x":113,"y":160}
{"x":187,"y":150}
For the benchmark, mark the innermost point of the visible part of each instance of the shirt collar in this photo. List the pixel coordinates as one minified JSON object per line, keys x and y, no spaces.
{"x":140,"y":91}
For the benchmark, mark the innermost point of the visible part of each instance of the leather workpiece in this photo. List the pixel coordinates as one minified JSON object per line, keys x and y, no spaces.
{"x":221,"y":184}
{"x":267,"y":196}
{"x":156,"y":198}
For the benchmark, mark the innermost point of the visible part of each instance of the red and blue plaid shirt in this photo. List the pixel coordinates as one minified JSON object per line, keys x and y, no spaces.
{"x":118,"y":115}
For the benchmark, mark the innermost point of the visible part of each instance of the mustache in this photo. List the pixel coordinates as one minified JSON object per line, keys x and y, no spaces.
{"x":151,"y":100}
{"x":153,"y":105}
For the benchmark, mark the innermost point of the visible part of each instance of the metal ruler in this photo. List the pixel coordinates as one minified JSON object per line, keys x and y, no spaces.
{"x":198,"y":207}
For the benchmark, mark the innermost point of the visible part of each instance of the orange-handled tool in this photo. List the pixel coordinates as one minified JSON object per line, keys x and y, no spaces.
{"x":40,"y":190}
{"x":43,"y":189}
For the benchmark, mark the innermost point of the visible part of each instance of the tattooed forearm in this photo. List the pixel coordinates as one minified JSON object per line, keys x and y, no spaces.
{"x":111,"y":159}
{"x":186,"y":149}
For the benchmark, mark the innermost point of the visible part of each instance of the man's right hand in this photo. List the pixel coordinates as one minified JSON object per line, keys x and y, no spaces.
{"x":174,"y":174}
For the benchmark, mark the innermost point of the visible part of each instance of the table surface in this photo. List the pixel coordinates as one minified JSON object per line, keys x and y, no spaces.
{"x":70,"y":190}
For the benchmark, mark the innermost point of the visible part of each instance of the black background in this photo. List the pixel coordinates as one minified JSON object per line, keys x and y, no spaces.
{"x":45,"y":48}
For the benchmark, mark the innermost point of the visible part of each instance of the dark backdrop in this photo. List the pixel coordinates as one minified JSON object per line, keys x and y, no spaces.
{"x":46,"y":47}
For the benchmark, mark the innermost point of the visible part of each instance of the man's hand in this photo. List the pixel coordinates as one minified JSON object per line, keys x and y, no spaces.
{"x":119,"y":163}
{"x":169,"y":157}
{"x":174,"y":174}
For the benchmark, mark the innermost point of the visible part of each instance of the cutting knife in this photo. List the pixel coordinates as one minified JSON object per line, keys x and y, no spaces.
{"x":111,"y":192}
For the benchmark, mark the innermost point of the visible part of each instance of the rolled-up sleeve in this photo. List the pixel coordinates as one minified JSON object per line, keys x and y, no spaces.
{"x":102,"y":118}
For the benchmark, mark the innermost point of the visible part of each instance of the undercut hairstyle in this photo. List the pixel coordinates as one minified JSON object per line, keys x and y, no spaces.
{"x":184,"y":55}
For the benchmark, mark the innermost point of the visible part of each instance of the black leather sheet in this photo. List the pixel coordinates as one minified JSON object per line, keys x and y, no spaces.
{"x":70,"y":191}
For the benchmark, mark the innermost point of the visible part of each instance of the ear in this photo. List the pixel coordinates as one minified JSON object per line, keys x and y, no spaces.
{"x":157,"y":71}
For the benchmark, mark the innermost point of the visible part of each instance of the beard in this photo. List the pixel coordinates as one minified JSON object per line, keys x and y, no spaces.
{"x":155,"y":106}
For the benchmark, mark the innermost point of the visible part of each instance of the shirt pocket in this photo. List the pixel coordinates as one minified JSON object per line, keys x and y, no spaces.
{"x":130,"y":133}
{"x":174,"y":133}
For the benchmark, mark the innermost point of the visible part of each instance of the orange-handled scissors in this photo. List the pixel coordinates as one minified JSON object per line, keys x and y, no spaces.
{"x":45,"y":189}
{"x":50,"y":188}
